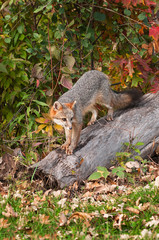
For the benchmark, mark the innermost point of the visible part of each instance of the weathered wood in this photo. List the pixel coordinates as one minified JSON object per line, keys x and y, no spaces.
{"x":100,"y":142}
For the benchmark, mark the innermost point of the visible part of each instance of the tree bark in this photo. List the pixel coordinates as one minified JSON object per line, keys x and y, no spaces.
{"x":99,"y":143}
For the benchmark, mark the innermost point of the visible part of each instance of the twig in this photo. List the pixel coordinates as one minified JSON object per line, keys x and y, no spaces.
{"x":52,"y":77}
{"x":129,"y":41}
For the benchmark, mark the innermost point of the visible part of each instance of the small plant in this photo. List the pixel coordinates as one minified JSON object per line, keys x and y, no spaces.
{"x":101,"y":172}
{"x":119,"y":171}
{"x":129,"y":155}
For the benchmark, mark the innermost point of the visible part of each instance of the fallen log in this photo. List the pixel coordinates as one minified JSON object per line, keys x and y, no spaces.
{"x":100,"y":142}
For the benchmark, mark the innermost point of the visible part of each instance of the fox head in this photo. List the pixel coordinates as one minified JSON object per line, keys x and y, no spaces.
{"x":63,"y":114}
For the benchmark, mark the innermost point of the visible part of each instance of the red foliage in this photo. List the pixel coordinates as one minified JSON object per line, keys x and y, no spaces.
{"x":134,"y":3}
{"x":154,"y":32}
{"x":155,"y":87}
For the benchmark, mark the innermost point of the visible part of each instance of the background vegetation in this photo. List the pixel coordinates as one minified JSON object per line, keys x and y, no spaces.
{"x":45,"y":45}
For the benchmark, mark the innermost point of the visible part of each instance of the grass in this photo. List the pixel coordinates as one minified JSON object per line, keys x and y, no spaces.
{"x":39,"y":214}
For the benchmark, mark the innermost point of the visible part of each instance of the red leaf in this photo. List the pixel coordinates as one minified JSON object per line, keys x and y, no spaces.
{"x":143,"y":63}
{"x":66,"y":81}
{"x":155,"y":87}
{"x":37,"y":83}
{"x":154,"y":32}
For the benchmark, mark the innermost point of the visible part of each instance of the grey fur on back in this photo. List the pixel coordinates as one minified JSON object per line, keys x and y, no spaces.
{"x":88,"y":85}
{"x":93,"y":87}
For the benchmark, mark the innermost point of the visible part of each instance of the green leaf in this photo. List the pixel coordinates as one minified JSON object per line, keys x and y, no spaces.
{"x":20,"y":28}
{"x":137,"y":150}
{"x":142,"y":16}
{"x":120,"y":174}
{"x":21,"y":117}
{"x":41,"y":103}
{"x":4,"y":5}
{"x":123,"y":154}
{"x":3,"y":68}
{"x":58,"y":34}
{"x":28,"y":111}
{"x":135,"y":81}
{"x":95,"y":176}
{"x":85,"y":43}
{"x":67,"y":70}
{"x":69,"y":61}
{"x":71,"y":23}
{"x":7,"y":40}
{"x":127,"y":12}
{"x":139,"y":144}
{"x":119,"y":171}
{"x":16,"y":38}
{"x":99,"y":16}
{"x":39,"y":9}
{"x":55,"y":52}
{"x":36,"y":35}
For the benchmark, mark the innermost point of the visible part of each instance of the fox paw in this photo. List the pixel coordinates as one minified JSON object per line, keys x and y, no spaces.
{"x":109,"y":118}
{"x":90,"y":123}
{"x":65,"y":146}
{"x":69,"y":151}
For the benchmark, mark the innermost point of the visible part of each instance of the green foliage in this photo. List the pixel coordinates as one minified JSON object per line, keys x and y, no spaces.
{"x":119,"y":171}
{"x":122,"y":158}
{"x":48,"y":44}
{"x":101,"y":172}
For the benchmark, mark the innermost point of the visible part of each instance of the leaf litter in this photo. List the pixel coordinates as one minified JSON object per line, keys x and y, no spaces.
{"x":98,"y":208}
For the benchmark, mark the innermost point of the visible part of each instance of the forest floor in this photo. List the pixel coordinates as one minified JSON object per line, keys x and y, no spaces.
{"x":110,"y":208}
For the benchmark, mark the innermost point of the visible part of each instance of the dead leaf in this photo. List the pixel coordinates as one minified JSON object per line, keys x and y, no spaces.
{"x":44,"y":219}
{"x":63,"y":219}
{"x":106,"y":188}
{"x":81,"y":215}
{"x":130,"y":67}
{"x":144,"y":207}
{"x":59,"y":193}
{"x":132,"y":165}
{"x":87,"y":194}
{"x":9,"y":211}
{"x":3,"y":223}
{"x":157,"y":182}
{"x":118,"y":221}
{"x":133,"y":210}
{"x":46,"y":193}
{"x":146,"y":234}
{"x":92,"y":185}
{"x":154,"y":222}
{"x":138,"y":201}
{"x":148,"y":178}
{"x":62,"y":202}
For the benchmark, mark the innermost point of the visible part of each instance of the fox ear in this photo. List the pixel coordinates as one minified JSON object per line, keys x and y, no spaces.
{"x":57,"y":105}
{"x":71,"y":105}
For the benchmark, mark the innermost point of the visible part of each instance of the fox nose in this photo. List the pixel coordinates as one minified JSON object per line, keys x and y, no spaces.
{"x":70,"y":128}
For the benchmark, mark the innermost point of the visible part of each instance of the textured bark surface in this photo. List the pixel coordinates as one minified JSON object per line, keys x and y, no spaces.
{"x":100,"y":142}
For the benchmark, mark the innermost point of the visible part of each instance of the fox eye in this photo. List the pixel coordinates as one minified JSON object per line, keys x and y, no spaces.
{"x":64,"y":119}
{"x":71,"y":118}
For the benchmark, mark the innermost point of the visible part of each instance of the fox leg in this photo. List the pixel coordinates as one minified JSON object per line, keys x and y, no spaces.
{"x":94,"y":115}
{"x":76,"y":130}
{"x":109,"y":116}
{"x":68,"y":134}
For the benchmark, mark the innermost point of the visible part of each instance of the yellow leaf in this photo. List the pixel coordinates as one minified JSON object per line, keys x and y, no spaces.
{"x":41,"y":120}
{"x":49,"y":130}
{"x":40,"y":127}
{"x":47,"y":116}
{"x":58,"y":128}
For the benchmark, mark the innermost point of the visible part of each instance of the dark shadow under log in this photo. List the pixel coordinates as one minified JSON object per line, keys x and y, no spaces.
{"x":100,"y":142}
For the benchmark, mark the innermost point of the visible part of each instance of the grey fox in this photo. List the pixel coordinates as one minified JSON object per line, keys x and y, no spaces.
{"x":92,"y":88}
